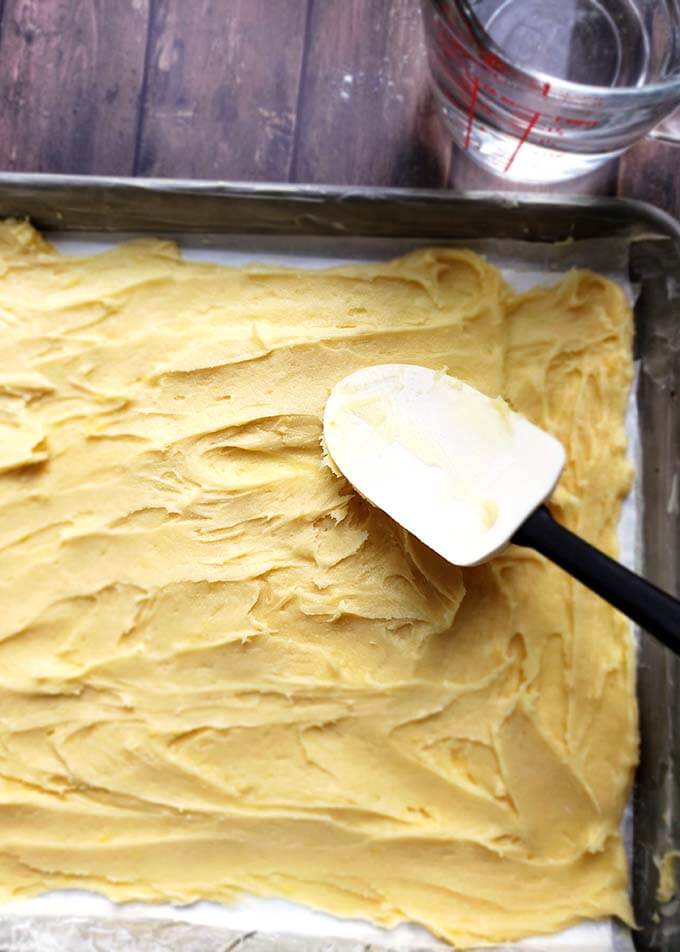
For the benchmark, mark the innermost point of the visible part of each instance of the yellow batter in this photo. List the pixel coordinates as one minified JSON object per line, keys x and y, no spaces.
{"x":222,"y":672}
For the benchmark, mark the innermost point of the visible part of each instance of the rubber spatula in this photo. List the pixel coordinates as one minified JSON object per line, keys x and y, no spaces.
{"x":467,"y":476}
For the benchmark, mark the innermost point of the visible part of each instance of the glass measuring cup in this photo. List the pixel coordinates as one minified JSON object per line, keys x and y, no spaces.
{"x":541,"y":91}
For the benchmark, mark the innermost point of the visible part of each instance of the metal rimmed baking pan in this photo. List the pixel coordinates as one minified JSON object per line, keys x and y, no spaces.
{"x":283,"y":217}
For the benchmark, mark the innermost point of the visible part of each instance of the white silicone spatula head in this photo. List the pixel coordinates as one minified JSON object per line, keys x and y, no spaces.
{"x":466,"y":475}
{"x":457,"y":469}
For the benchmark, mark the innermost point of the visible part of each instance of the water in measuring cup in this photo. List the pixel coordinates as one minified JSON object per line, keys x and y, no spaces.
{"x":597,"y":45}
{"x":590,"y":42}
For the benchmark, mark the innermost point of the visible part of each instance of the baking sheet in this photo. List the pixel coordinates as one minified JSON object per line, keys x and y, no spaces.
{"x":64,"y":920}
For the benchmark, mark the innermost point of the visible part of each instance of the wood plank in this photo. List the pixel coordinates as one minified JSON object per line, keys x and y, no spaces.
{"x":70,"y":78}
{"x":222,"y":86}
{"x":650,"y":172}
{"x":366,"y":113}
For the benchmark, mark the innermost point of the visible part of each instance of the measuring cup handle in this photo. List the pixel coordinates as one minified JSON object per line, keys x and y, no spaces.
{"x":655,"y":611}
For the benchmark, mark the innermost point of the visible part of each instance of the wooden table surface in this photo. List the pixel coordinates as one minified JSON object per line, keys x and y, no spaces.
{"x":323,"y":91}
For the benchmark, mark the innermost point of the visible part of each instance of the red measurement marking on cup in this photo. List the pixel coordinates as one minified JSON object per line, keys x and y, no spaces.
{"x":474,"y":92}
{"x":495,"y":63}
{"x":582,"y":123}
{"x":525,"y":135}
{"x":546,"y":89}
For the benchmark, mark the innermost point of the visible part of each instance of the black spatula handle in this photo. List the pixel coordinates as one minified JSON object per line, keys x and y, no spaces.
{"x":653,"y":610}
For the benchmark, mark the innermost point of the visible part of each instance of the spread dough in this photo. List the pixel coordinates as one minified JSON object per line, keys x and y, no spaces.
{"x":222,"y":672}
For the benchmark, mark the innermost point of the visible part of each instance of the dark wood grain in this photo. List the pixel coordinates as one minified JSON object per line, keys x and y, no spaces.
{"x":366,"y":111}
{"x":650,"y":172}
{"x":221,"y":88}
{"x":329,"y":91}
{"x":70,"y":79}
